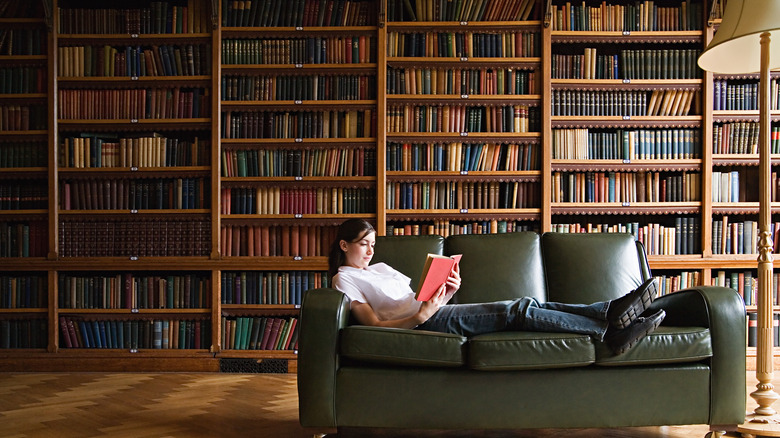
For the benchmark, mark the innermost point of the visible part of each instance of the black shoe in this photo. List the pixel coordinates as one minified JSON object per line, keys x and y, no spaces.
{"x":620,"y":340}
{"x":624,"y":310}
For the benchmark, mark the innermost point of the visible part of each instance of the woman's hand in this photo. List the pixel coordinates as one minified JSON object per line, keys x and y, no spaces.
{"x":442,"y":295}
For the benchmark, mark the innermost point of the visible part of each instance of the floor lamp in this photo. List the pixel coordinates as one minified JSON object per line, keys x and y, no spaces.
{"x":742,"y":45}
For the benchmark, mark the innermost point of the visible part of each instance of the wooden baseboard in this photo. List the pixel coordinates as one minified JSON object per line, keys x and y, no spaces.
{"x":103,"y":364}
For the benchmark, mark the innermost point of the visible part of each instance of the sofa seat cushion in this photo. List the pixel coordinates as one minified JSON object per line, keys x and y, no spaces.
{"x":529,"y":350}
{"x":664,"y":345}
{"x":402,"y":347}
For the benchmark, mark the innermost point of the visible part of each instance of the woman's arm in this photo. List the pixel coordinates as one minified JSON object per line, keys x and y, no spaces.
{"x":365,"y":314}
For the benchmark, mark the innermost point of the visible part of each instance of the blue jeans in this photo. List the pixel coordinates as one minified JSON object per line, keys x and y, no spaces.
{"x":524,"y":314}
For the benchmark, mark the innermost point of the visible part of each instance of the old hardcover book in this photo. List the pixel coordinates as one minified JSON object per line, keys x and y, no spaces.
{"x":437,"y":269}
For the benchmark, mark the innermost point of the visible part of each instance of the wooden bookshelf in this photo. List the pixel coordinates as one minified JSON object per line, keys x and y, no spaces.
{"x":384,"y":157}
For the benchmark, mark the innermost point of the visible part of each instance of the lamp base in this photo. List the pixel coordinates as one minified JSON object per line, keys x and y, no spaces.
{"x":760,"y":425}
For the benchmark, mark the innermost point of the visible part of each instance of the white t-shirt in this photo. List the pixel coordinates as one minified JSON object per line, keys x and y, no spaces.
{"x":386,"y":290}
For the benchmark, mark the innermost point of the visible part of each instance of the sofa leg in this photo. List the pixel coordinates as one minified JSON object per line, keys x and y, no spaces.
{"x":715,"y":434}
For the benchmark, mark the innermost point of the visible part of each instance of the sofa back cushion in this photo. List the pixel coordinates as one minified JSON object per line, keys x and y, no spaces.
{"x":498,"y":267}
{"x":585,"y":268}
{"x":407,"y":253}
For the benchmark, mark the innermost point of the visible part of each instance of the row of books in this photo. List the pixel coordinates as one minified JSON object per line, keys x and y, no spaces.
{"x":299,"y":124}
{"x":298,"y":13}
{"x":683,"y":236}
{"x":23,"y":117}
{"x":158,"y":237}
{"x":157,"y":18}
{"x":259,"y":333}
{"x":509,"y":44}
{"x":735,"y":97}
{"x":24,"y":238}
{"x":625,"y":103}
{"x":726,"y":187}
{"x":269,"y":287}
{"x":326,"y":161}
{"x":735,"y":237}
{"x":23,"y":79}
{"x":134,"y":61}
{"x":22,"y":42}
{"x":445,"y":227}
{"x":23,"y":153}
{"x":728,"y":236}
{"x":23,"y":195}
{"x":23,"y":291}
{"x":626,"y":144}
{"x":133,"y":291}
{"x":460,"y":10}
{"x":462,"y":195}
{"x":134,"y":194}
{"x":590,"y":65}
{"x":134,"y":104}
{"x":746,"y":285}
{"x":740,"y":138}
{"x":461,"y":81}
{"x":134,"y":334}
{"x":298,"y":87}
{"x":276,"y":240}
{"x":463,"y":157}
{"x":297,"y":201}
{"x":359,"y":49}
{"x":672,"y":283}
{"x":742,"y":96}
{"x":625,"y":187}
{"x":24,"y":333}
{"x":460,"y":118}
{"x":628,"y":64}
{"x":94,"y":150}
{"x":637,"y":16}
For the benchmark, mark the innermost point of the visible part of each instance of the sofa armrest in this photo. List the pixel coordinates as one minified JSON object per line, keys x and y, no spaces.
{"x":722,"y":310}
{"x":324,"y":313}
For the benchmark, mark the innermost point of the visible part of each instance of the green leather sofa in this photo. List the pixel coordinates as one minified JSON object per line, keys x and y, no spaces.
{"x":689,"y":371}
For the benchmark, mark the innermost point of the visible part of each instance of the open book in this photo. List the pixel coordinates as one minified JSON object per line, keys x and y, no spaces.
{"x":437,"y":269}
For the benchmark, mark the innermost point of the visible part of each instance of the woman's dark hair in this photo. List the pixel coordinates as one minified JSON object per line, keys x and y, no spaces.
{"x":351,"y":230}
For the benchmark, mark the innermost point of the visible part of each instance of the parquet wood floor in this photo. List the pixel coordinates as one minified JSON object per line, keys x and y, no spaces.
{"x":139,"y":405}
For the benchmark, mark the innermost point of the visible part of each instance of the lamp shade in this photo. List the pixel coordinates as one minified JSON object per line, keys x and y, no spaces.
{"x":736,"y":46}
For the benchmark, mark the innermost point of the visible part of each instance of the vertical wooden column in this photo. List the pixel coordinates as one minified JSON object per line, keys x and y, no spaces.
{"x":764,"y":394}
{"x":546,"y":125}
{"x":381,"y":116}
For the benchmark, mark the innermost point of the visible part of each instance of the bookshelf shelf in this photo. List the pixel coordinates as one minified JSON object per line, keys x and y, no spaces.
{"x":265,"y":354}
{"x":627,"y":37}
{"x":466,"y":98}
{"x":23,"y":310}
{"x":135,"y":311}
{"x":22,"y":212}
{"x":407,"y":26}
{"x":626,"y":121}
{"x":465,"y":174}
{"x":127,"y":213}
{"x":287,"y":179}
{"x":339,"y":217}
{"x":627,"y":208}
{"x":301,"y":67}
{"x":463,"y":136}
{"x":465,"y":61}
{"x":23,"y":96}
{"x":287,"y":142}
{"x":120,"y":353}
{"x":248,"y":32}
{"x":134,"y":171}
{"x":627,"y":165}
{"x":114,"y":81}
{"x":133,"y":38}
{"x":318,"y":104}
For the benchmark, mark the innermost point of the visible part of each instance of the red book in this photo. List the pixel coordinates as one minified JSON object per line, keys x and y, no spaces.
{"x":437,"y":269}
